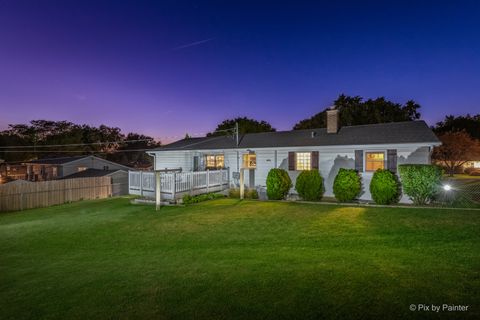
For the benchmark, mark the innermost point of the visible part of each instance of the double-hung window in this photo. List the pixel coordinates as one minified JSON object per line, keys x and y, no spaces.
{"x":303,"y":160}
{"x":374,"y":161}
{"x":214,"y":161}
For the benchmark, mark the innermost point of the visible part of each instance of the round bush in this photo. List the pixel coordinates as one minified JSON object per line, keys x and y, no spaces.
{"x":347,"y":185}
{"x":309,"y":185}
{"x":420,"y":182}
{"x":384,"y":187}
{"x":278,"y":184}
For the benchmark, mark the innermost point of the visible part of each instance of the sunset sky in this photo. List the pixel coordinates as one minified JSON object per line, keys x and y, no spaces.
{"x":165,"y":68}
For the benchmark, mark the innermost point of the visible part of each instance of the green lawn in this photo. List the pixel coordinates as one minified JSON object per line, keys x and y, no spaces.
{"x":227,"y":259}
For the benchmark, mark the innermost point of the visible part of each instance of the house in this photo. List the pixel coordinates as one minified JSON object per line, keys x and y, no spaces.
{"x":12,"y":171}
{"x":365,"y":148}
{"x":55,"y":168}
{"x":119,"y":178}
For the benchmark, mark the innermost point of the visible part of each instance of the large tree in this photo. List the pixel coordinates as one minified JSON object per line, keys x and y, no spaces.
{"x":471,"y":124}
{"x":457,"y":148}
{"x":245,"y":125}
{"x":356,"y":111}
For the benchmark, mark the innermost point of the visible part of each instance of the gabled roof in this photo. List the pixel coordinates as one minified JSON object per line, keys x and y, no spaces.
{"x":64,"y":160}
{"x":382,"y":133}
{"x":91,"y":173}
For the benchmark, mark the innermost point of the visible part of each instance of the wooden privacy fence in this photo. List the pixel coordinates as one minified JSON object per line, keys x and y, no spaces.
{"x":20,"y":196}
{"x":175,"y":184}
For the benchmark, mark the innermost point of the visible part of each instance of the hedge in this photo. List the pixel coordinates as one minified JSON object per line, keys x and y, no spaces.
{"x":384,"y":187}
{"x":278,"y":184}
{"x":420,"y":182}
{"x":309,"y":185}
{"x":347,"y":185}
{"x":188,"y":199}
{"x":249,"y":193}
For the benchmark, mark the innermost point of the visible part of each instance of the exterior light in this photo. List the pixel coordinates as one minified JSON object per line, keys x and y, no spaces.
{"x":447,"y":187}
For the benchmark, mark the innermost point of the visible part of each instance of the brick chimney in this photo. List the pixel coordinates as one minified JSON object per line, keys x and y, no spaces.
{"x":333,"y":120}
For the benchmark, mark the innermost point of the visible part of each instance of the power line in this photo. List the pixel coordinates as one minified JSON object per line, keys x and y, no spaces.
{"x":107,"y":142}
{"x":73,"y":144}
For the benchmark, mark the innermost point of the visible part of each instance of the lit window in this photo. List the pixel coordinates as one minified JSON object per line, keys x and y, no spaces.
{"x":374,"y":161}
{"x":303,"y":160}
{"x":79,"y":169}
{"x":249,"y":161}
{"x":54,"y":171}
{"x":214,"y":161}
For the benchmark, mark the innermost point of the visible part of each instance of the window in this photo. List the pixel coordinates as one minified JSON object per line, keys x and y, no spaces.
{"x":374,"y":161}
{"x":250,"y":161}
{"x":105,"y":167}
{"x":54,"y":171}
{"x":214,"y":161}
{"x":303,"y":161}
{"x":79,"y":169}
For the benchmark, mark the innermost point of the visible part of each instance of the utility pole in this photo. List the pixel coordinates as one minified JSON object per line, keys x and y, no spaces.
{"x":236,"y":132}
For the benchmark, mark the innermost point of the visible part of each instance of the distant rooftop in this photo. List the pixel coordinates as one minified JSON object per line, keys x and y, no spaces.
{"x":90,"y":173}
{"x":381,"y":133}
{"x":60,"y":160}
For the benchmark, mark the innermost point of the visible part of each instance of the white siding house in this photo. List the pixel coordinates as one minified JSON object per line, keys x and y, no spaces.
{"x":364,"y":148}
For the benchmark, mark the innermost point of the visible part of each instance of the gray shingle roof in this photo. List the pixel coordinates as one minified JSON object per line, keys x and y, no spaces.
{"x":382,"y":133}
{"x":90,"y":173}
{"x":60,"y":160}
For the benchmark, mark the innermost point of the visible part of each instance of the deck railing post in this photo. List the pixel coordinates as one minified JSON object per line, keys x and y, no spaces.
{"x":157,"y":190}
{"x":208,"y":179}
{"x":174,"y":185}
{"x":228,"y":177}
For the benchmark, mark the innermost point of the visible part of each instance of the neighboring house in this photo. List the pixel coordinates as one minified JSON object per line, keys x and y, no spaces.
{"x":119,"y":178}
{"x":55,"y":168}
{"x":472,"y":164}
{"x":12,"y":171}
{"x":364,"y":148}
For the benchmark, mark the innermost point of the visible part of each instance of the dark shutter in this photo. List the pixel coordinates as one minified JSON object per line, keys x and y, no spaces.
{"x":291,"y":161}
{"x":392,"y":160}
{"x":314,"y":160}
{"x":359,"y":160}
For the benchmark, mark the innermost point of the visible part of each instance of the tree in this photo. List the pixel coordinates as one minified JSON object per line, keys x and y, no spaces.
{"x":355,"y":111}
{"x":456,"y":149}
{"x":45,"y":139}
{"x":471,"y":124}
{"x":245,"y":125}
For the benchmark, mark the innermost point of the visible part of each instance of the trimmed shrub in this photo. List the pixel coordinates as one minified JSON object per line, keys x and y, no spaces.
{"x":347,"y":185}
{"x":420,"y":181}
{"x":278,"y":184}
{"x":384,"y":187}
{"x":309,"y":185}
{"x":249,"y":193}
{"x":188,"y":199}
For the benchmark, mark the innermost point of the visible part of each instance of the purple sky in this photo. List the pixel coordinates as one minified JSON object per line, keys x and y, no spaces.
{"x":165,"y":68}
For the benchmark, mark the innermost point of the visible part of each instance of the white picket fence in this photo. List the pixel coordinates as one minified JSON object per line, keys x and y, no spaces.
{"x":175,"y":184}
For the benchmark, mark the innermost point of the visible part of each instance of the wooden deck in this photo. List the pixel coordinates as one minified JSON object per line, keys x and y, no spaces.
{"x":174,"y":185}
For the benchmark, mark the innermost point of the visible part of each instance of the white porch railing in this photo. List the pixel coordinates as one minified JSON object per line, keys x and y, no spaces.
{"x":174,"y":185}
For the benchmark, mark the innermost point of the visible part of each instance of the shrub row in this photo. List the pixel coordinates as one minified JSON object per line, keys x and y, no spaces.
{"x":188,"y":199}
{"x":420,"y":183}
{"x":249,"y":193}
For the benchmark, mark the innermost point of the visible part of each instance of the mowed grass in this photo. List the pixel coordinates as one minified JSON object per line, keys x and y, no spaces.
{"x":230,"y":259}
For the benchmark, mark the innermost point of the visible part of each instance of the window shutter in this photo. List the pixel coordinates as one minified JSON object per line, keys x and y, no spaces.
{"x":291,"y":161}
{"x":314,"y":160}
{"x":392,"y":160}
{"x":359,"y":160}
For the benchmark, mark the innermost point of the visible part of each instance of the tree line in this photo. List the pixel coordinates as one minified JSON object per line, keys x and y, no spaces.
{"x":48,"y":139}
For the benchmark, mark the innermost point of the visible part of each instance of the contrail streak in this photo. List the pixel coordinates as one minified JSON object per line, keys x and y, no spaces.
{"x":196,"y":43}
